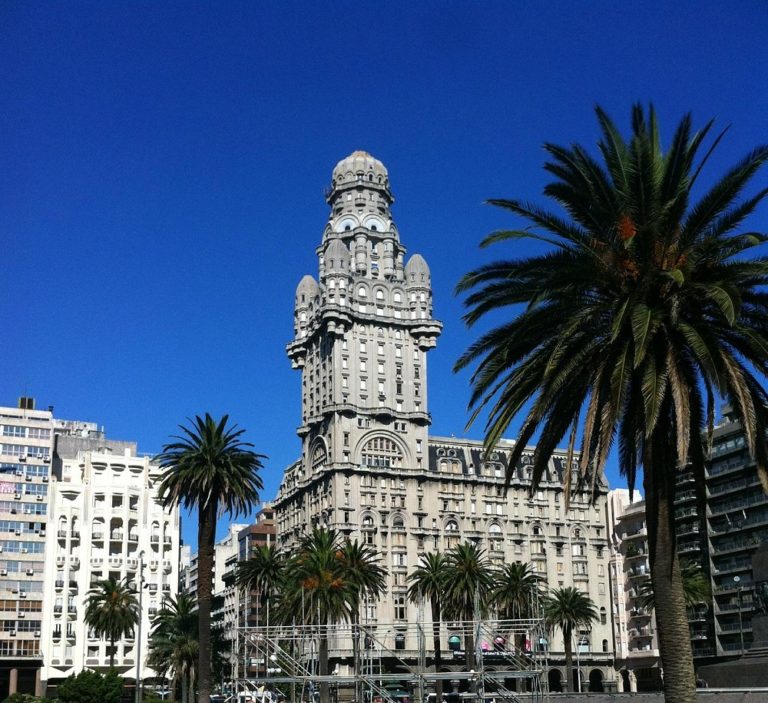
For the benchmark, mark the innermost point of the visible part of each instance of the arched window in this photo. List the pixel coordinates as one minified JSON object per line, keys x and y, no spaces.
{"x":451,"y":526}
{"x":379,"y":295}
{"x":381,"y":451}
{"x":362,"y":292}
{"x":397,"y":523}
{"x":494,"y":529}
{"x":605,"y":645}
{"x":319,"y":456}
{"x":397,"y":297}
{"x":367,"y":521}
{"x":603,"y":617}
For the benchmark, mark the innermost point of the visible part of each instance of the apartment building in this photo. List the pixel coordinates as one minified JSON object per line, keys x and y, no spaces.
{"x":634,"y":626}
{"x":26,"y":449}
{"x":108,"y":522}
{"x":368,"y":468}
{"x":724,"y":540}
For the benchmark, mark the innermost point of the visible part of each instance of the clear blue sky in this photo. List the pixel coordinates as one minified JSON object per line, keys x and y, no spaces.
{"x":162,"y":168}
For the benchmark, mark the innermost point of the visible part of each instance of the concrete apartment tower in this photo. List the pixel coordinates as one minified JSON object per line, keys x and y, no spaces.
{"x":26,"y":449}
{"x":362,"y":333}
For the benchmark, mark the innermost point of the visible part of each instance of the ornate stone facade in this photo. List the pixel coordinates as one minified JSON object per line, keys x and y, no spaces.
{"x":362,"y":333}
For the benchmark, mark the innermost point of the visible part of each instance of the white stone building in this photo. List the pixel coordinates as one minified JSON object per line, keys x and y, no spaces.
{"x":368,"y":467}
{"x":107,"y":522}
{"x":637,"y":645}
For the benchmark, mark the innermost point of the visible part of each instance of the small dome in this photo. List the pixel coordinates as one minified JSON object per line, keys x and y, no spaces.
{"x":360,"y":162}
{"x":337,"y":256}
{"x":417,"y":271}
{"x":307,"y":290}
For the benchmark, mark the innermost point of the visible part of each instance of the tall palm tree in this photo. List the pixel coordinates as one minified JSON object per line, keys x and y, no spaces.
{"x":468,"y":584}
{"x":111,"y":611}
{"x":211,"y":468}
{"x":173,"y":646}
{"x":262,"y":573}
{"x":516,"y":593}
{"x":569,"y":609}
{"x":644,"y":310}
{"x":428,"y":583}
{"x":316,"y":587}
{"x":367,"y":579}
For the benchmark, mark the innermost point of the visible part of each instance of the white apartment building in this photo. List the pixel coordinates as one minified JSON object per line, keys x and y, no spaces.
{"x":107,"y":522}
{"x":368,"y":468}
{"x":26,"y":448}
{"x":223,"y":550}
{"x":637,"y":647}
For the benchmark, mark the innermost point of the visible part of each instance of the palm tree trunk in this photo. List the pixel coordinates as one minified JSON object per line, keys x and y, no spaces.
{"x":436,"y":617}
{"x":184,"y":688}
{"x":325,"y":689}
{"x":671,"y":617}
{"x":191,"y":689}
{"x":206,"y":535}
{"x":568,"y":659}
{"x":111,"y":652}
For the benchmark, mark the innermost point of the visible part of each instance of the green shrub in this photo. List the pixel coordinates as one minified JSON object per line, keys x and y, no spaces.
{"x":91,"y":687}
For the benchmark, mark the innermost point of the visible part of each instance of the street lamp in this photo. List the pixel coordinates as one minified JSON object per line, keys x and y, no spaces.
{"x":737,"y":581}
{"x":138,"y":629}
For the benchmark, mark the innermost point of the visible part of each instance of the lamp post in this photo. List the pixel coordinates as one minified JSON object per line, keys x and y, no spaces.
{"x":737,"y":581}
{"x":138,"y":629}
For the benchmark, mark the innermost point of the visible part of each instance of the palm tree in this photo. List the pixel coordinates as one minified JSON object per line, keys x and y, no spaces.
{"x":173,"y":644}
{"x":516,"y":593}
{"x":316,"y":587}
{"x":644,"y":310}
{"x":262,"y":573}
{"x":428,"y":583}
{"x":696,"y":588}
{"x":367,"y":579}
{"x":111,"y":611}
{"x":569,"y":609}
{"x":209,"y":467}
{"x":468,"y":584}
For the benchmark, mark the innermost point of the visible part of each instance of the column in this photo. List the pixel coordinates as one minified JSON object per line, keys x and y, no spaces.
{"x":13,"y":681}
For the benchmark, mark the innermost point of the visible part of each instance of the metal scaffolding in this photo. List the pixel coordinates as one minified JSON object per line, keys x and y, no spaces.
{"x":392,"y":662}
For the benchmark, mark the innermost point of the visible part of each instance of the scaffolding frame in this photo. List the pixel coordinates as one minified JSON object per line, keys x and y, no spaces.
{"x":387,"y":662}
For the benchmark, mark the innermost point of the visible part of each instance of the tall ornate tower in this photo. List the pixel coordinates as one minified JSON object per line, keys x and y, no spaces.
{"x":362,"y":333}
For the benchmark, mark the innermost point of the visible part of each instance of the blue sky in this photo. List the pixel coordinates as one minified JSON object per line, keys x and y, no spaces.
{"x":162,"y":169}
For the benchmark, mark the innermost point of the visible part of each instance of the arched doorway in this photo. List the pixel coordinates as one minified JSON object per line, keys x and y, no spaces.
{"x":625,"y":680}
{"x":596,"y":681}
{"x":555,"y":679}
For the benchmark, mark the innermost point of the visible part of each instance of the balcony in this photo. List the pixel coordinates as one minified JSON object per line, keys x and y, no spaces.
{"x":116,"y":536}
{"x":167,"y":539}
{"x":75,"y":535}
{"x":74,"y":562}
{"x":133,"y":537}
{"x":61,"y":534}
{"x":739,"y":504}
{"x":59,"y":583}
{"x":97,"y":536}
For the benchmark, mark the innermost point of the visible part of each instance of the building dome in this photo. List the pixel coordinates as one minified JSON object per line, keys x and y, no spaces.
{"x":417,"y":271}
{"x":337,"y":257}
{"x":307,"y":290}
{"x":360,"y":163}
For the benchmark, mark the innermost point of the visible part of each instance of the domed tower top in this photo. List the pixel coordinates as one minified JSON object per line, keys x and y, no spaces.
{"x":365,"y":179}
{"x":417,"y":272}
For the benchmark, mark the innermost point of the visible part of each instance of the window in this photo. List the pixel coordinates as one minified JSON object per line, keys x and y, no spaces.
{"x":451,"y":526}
{"x":381,"y":349}
{"x":363,"y":347}
{"x":603,"y":616}
{"x":400,"y":609}
{"x":381,"y":451}
{"x":363,"y":384}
